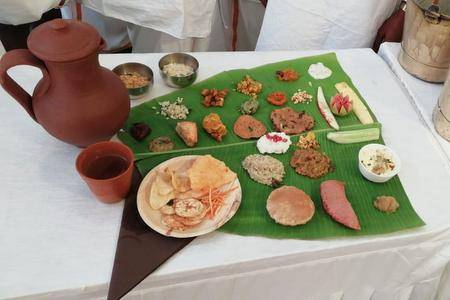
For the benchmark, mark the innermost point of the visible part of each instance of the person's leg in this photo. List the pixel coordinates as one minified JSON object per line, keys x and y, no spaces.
{"x":15,"y":36}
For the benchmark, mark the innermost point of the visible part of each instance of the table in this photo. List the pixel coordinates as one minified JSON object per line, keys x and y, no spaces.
{"x":424,"y":95}
{"x":70,"y":256}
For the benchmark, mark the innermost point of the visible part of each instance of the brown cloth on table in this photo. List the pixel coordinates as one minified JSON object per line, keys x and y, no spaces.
{"x":140,"y":250}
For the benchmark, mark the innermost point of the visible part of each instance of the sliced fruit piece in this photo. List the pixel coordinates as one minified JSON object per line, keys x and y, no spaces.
{"x":340,"y":105}
{"x":354,"y":136}
{"x":325,"y":110}
{"x":359,"y":108}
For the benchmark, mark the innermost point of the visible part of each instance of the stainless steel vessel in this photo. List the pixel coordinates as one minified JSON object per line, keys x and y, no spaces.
{"x":441,"y":116}
{"x":425,"y":51}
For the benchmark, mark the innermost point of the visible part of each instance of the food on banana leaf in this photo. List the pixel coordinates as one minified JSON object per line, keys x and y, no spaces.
{"x":214,"y":97}
{"x":301,"y":96}
{"x":274,"y":142}
{"x":354,"y":136}
{"x":277,"y":98}
{"x":173,"y":110}
{"x":161,"y":144}
{"x":308,"y":141}
{"x":319,"y":71}
{"x":290,"y":121}
{"x":290,"y":206}
{"x":359,"y":108}
{"x":249,"y":107}
{"x":264,"y":169}
{"x":336,"y":204}
{"x":188,"y":132}
{"x":340,"y":105}
{"x":287,"y":75}
{"x":247,"y":127}
{"x":249,"y":86}
{"x":214,"y":126}
{"x":325,"y":110}
{"x":140,"y":131}
{"x":311,"y":163}
{"x":386,"y":204}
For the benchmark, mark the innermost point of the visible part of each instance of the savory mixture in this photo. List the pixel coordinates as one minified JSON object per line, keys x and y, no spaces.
{"x":176,"y":110}
{"x":319,"y":71}
{"x":386,"y":204}
{"x":378,"y":161}
{"x":189,"y":193}
{"x":290,"y":206}
{"x":177,"y":70}
{"x":277,"y":98}
{"x":214,"y":126}
{"x":134,"y":80}
{"x":290,"y":121}
{"x":249,"y":86}
{"x":188,"y":132}
{"x":247,"y":127}
{"x":264,"y":169}
{"x":274,"y":142}
{"x":308,"y":141}
{"x":140,"y":131}
{"x":301,"y":96}
{"x":249,"y":107}
{"x":214,"y":97}
{"x":161,"y":144}
{"x":287,"y":75}
{"x":311,"y":163}
{"x":335,"y":203}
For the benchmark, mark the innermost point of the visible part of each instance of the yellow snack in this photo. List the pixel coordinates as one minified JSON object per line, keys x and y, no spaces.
{"x":209,"y":173}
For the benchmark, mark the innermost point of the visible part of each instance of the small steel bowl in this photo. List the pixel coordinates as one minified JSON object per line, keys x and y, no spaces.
{"x":143,"y":70}
{"x":181,"y":58}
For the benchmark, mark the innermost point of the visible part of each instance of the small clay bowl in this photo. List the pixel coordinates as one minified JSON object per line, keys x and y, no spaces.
{"x":141,"y":69}
{"x":108,"y":179}
{"x":180,"y":58}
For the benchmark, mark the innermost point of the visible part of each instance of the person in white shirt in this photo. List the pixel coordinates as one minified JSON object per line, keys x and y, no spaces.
{"x":19,"y":17}
{"x":113,"y":31}
{"x":322,"y":24}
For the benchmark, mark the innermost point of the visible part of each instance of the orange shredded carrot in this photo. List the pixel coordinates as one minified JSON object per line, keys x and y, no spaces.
{"x":210,"y":205}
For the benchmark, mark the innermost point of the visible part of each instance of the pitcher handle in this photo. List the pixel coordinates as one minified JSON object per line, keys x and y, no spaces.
{"x":22,"y":57}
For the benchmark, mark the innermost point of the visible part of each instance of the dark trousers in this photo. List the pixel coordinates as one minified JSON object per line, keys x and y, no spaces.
{"x":15,"y":37}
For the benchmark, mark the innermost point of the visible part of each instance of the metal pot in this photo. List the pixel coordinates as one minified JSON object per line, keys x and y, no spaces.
{"x":441,"y":116}
{"x":425,"y":51}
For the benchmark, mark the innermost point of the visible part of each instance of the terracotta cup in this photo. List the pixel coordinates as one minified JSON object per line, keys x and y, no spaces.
{"x":107,"y":190}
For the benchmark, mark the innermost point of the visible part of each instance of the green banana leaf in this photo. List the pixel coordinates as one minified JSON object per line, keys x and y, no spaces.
{"x":252,"y":217}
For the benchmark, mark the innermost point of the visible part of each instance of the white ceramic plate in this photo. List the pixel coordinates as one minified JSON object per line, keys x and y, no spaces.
{"x":153,"y":217}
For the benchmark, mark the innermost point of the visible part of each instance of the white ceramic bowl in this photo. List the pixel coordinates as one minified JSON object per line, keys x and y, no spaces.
{"x":372,"y":176}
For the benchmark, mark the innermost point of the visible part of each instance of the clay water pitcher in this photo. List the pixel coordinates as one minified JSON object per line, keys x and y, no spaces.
{"x":425,"y":51}
{"x":77,"y":100}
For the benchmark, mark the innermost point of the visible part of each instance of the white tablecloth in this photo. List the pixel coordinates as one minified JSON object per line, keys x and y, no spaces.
{"x":424,"y":95}
{"x":57,"y":241}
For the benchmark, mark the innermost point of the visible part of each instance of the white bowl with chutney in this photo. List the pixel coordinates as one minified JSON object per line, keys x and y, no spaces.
{"x":378,"y":163}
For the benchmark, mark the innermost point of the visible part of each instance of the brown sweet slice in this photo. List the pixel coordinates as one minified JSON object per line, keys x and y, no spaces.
{"x":247,"y":127}
{"x":336,"y":204}
{"x":290,"y":206}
